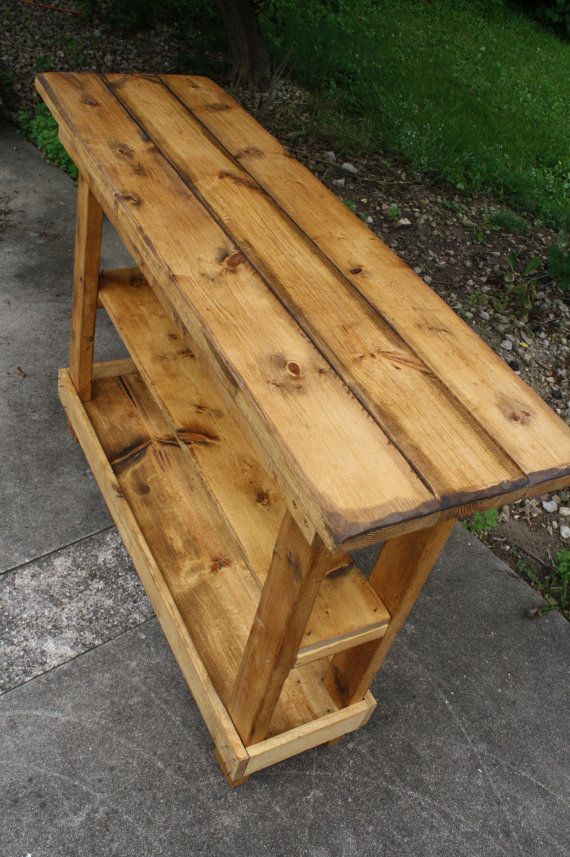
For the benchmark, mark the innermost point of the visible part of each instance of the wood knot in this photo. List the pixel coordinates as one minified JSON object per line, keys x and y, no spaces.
{"x":249,"y":152}
{"x":523,"y":417}
{"x":219,"y":562}
{"x":234,"y":261}
{"x":131,"y":198}
{"x":124,"y":149}
{"x":293,"y":368}
{"x":262,"y":497}
{"x":356,"y":270}
{"x":217,"y":107}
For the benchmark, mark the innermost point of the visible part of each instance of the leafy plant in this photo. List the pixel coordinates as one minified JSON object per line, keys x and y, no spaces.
{"x":509,"y":220}
{"x":41,"y":128}
{"x":559,"y":266}
{"x":481,"y":523}
{"x":43,"y":63}
{"x":394,"y":212}
{"x":520,"y":287}
{"x":552,"y":582}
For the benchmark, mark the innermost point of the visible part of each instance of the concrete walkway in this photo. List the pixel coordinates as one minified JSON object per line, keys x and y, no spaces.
{"x":102,"y":750}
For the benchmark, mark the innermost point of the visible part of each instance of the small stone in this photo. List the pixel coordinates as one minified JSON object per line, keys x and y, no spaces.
{"x":564,"y":511}
{"x":330,"y":157}
{"x":403,"y":222}
{"x":427,"y":279}
{"x":339,"y":182}
{"x":550,"y":506}
{"x":507,"y":345}
{"x":565,"y":531}
{"x":369,"y":220}
{"x":514,"y":364}
{"x":484,"y":315}
{"x":349,"y":168}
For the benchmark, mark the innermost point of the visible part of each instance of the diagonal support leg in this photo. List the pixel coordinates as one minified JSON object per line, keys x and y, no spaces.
{"x":287,"y":599}
{"x":401,"y":570}
{"x":85,"y":284}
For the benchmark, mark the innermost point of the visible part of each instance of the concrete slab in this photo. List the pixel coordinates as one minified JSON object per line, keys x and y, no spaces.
{"x":66,"y":603}
{"x":466,"y":754}
{"x":44,"y":503}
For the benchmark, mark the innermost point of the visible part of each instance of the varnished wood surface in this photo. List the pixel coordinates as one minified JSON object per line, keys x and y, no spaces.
{"x":88,"y":226}
{"x":347,"y":610}
{"x":143,"y":488}
{"x":373,"y":401}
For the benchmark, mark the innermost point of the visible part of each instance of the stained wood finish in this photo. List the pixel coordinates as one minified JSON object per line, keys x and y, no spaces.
{"x":401,"y":570}
{"x":306,"y":714}
{"x":445,"y":430}
{"x":286,"y":393}
{"x":286,"y":603}
{"x":508,"y":410}
{"x":347,"y":610}
{"x":88,"y":224}
{"x":302,"y":392}
{"x":428,"y":426}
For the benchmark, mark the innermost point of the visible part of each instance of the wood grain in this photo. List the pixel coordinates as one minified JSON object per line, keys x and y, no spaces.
{"x":347,"y":610}
{"x":285,"y":392}
{"x":510,"y":411}
{"x":287,"y":600}
{"x":88,"y":225}
{"x":400,"y":571}
{"x":453,"y":455}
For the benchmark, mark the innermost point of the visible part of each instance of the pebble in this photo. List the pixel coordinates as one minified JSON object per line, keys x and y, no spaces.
{"x":369,"y":220}
{"x":565,"y":531}
{"x":330,"y":157}
{"x":339,"y":182}
{"x":403,"y":221}
{"x":349,"y":168}
{"x":507,"y":345}
{"x":564,"y":511}
{"x":484,"y":315}
{"x":550,"y":506}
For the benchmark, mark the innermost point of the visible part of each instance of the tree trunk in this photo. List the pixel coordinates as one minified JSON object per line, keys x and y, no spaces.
{"x":250,"y":60}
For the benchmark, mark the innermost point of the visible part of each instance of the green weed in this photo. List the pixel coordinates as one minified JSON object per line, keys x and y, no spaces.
{"x":41,"y":128}
{"x":509,"y":220}
{"x":481,"y":523}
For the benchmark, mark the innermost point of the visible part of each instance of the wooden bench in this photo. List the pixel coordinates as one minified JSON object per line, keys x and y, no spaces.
{"x":294,"y":392}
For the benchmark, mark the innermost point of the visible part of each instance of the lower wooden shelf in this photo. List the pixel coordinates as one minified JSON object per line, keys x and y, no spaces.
{"x":193,"y":570}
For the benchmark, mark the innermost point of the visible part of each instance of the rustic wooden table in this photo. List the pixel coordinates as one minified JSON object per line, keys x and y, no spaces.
{"x":295,"y":391}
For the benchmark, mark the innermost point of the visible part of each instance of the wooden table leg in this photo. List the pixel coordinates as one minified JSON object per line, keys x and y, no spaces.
{"x":400,"y":572}
{"x":284,"y":609}
{"x":85,"y":284}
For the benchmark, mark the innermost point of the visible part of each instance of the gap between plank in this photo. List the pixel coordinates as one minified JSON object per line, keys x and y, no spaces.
{"x":360,"y":398}
{"x":332,"y":266}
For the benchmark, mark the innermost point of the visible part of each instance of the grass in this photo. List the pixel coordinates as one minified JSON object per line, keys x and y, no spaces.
{"x":482,"y":523}
{"x":552,"y":582}
{"x":471,"y":92}
{"x":40,"y":127}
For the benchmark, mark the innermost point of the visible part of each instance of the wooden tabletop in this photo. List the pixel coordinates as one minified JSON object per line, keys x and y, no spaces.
{"x":374,"y":402}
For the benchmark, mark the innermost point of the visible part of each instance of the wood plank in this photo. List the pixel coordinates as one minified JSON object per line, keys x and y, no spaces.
{"x":249,"y":499}
{"x":512,"y":413}
{"x":347,"y":610}
{"x":213,"y":592}
{"x":400,"y":571}
{"x":287,"y":600}
{"x":292,"y":401}
{"x":88,"y":225}
{"x":434,"y":432}
{"x":326,"y":729}
{"x":219,"y":724}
